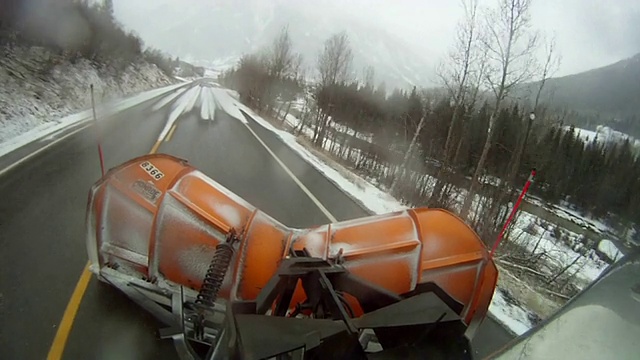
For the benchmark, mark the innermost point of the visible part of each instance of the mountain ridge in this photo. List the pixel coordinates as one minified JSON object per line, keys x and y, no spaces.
{"x":610,"y":91}
{"x":218,"y":34}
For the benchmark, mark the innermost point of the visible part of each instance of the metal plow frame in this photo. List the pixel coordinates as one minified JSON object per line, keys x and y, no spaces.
{"x":415,"y":323}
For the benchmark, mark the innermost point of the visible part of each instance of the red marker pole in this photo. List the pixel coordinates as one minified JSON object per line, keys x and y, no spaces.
{"x":95,"y":118}
{"x":514,"y":211}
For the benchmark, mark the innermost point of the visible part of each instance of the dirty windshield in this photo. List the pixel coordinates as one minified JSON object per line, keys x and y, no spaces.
{"x":299,"y":179}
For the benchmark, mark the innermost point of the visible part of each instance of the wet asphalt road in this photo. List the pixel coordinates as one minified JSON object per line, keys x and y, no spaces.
{"x":42,"y":209}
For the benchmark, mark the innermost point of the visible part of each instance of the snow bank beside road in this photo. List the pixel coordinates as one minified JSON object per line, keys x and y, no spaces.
{"x":37,"y":94}
{"x":53,"y":126}
{"x":364,"y":192}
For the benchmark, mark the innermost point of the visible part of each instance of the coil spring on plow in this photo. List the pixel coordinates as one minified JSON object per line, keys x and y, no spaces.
{"x":211,"y":284}
{"x":216,"y":272}
{"x":215,"y":275}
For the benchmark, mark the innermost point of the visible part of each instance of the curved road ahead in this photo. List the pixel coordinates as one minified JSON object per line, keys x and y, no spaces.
{"x":42,"y":209}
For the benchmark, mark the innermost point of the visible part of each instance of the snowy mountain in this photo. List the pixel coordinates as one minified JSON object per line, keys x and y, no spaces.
{"x":216,"y":34}
{"x":612,"y":90}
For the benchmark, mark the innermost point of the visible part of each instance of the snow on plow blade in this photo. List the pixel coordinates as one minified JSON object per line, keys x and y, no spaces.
{"x":153,"y":224}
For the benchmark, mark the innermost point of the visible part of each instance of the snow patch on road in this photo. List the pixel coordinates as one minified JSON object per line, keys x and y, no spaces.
{"x":208,"y":109}
{"x":183,"y":105}
{"x":228,"y":104}
{"x":193,"y":100}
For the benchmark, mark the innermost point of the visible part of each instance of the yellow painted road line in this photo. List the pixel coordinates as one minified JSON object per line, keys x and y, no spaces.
{"x":173,"y":128}
{"x":64,"y":329}
{"x":60,"y":340}
{"x":155,"y":147}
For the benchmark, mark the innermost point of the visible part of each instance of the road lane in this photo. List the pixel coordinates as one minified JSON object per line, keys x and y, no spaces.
{"x":333,"y":198}
{"x":45,"y":211}
{"x":228,"y":153}
{"x":42,"y":211}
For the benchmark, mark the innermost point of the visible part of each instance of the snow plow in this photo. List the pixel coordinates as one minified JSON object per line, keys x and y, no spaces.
{"x":229,"y":281}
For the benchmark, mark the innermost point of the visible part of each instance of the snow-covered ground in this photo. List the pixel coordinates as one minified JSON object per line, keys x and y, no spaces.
{"x":583,"y":221}
{"x":514,"y":317}
{"x":564,"y":211}
{"x":530,"y":233}
{"x":38,"y":91}
{"x":608,"y":248}
{"x":584,"y":134}
{"x":605,"y":135}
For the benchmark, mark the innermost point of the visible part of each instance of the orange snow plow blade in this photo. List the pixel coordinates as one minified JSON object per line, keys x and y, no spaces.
{"x":155,"y":221}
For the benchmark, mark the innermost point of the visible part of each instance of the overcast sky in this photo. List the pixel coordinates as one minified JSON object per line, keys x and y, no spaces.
{"x":589,"y":33}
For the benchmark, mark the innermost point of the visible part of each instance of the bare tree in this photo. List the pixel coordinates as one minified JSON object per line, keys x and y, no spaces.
{"x":334,"y":66}
{"x":550,"y":67}
{"x":464,"y":61}
{"x":408,"y":153}
{"x":282,"y":59}
{"x":334,"y":62}
{"x":283,"y":67}
{"x":510,"y":45}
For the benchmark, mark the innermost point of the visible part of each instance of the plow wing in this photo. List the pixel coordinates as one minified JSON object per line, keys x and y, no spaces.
{"x":169,"y":236}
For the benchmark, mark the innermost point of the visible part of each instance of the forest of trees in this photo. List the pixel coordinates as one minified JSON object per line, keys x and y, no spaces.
{"x":441,"y":147}
{"x":73,"y":30}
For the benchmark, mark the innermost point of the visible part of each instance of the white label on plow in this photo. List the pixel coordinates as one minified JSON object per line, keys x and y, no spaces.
{"x":152,"y":170}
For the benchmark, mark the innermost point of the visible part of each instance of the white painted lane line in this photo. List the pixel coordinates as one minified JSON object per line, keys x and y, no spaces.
{"x":31,"y":155}
{"x":295,"y":179}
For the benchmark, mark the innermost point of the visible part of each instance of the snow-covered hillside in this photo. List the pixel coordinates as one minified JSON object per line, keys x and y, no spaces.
{"x":606,"y":135}
{"x":37,"y":87}
{"x":216,"y":34}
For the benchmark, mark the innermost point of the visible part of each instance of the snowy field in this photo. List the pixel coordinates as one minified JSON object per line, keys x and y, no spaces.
{"x":530,"y":233}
